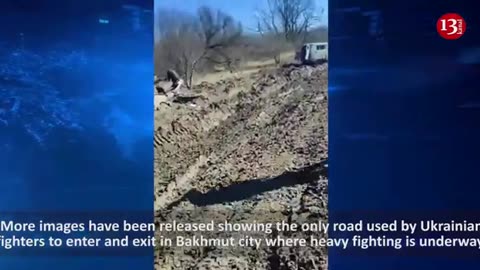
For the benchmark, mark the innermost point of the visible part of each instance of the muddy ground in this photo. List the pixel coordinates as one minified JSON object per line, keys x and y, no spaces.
{"x":245,"y":150}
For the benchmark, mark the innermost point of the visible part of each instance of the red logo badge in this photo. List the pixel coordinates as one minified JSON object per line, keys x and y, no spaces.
{"x":451,"y":26}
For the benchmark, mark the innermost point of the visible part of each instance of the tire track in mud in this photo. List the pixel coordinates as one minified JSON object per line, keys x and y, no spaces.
{"x":267,"y":153}
{"x":247,"y":110}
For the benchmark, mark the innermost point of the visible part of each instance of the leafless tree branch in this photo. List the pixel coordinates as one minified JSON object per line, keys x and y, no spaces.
{"x":290,"y":18}
{"x":187,"y":42}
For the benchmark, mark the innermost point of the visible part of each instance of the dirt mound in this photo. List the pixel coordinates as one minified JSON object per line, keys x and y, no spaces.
{"x":255,"y":149}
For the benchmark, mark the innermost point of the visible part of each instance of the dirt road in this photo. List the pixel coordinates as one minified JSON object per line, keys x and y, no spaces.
{"x":252,"y":149}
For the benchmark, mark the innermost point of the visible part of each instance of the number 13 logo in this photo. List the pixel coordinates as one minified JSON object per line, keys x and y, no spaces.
{"x":451,"y":26}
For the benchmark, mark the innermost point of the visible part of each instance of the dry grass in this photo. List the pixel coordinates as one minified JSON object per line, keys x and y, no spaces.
{"x":284,"y":58}
{"x":245,"y":69}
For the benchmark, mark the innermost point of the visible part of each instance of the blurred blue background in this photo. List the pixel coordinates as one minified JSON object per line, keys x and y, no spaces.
{"x":76,"y":114}
{"x":403,"y":125}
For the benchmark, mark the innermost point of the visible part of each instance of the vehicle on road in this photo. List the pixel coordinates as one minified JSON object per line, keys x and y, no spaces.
{"x":314,"y":53}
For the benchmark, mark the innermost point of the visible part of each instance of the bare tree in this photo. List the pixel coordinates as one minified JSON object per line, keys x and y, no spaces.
{"x":178,"y":42}
{"x":291,"y":19}
{"x":187,"y":42}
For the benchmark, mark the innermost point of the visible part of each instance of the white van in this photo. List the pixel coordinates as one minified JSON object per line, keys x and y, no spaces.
{"x":312,"y":53}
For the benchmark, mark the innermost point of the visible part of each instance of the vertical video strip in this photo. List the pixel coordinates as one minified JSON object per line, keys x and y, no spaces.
{"x":240,"y":134}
